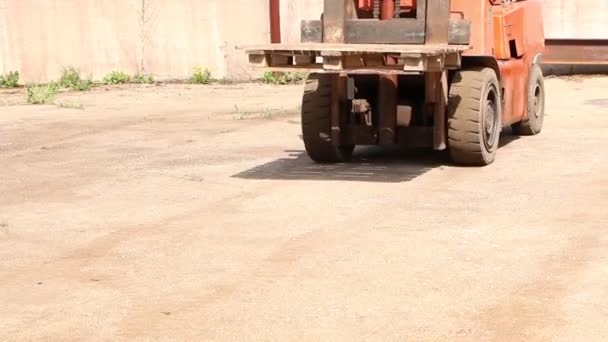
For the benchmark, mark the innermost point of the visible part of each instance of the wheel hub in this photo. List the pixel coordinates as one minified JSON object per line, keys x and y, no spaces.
{"x":538,"y":101}
{"x":491,"y":121}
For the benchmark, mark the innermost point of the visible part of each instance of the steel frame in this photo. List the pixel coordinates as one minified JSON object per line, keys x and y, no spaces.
{"x":336,"y":26}
{"x":576,"y":51}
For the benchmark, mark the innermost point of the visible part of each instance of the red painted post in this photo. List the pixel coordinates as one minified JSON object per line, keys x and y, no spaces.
{"x":387,"y":9}
{"x":275,"y":21}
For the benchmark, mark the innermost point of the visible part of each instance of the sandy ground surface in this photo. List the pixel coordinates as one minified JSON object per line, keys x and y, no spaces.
{"x":191,"y":213}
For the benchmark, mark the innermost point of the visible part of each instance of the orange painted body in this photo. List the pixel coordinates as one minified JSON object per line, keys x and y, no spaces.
{"x":510,"y":35}
{"x":479,"y":12}
{"x":513,"y":35}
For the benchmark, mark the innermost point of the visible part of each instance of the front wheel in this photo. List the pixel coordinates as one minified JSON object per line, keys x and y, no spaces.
{"x":316,"y":122}
{"x":474,"y":117}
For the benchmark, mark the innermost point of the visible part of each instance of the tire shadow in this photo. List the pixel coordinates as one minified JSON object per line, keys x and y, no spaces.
{"x":369,"y":164}
{"x":394,"y":164}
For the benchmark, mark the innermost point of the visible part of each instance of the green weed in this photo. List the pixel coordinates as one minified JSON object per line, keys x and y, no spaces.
{"x":71,"y":105}
{"x":10,"y":80}
{"x":70,"y":78}
{"x":42,"y":93}
{"x":143,"y":79}
{"x":201,"y":76}
{"x":116,"y":77}
{"x":282,"y":78}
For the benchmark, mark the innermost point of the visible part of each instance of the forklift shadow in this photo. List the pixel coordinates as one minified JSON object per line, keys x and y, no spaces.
{"x":369,"y":164}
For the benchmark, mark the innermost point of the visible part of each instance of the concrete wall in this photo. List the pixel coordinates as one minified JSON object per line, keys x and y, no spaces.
{"x":576,"y":19}
{"x":168,"y":37}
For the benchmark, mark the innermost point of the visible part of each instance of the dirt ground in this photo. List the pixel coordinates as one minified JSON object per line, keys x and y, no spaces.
{"x":191,"y":213}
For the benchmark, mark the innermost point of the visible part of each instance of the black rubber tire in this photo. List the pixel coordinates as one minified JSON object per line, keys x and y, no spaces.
{"x":316,"y":122}
{"x":474,"y":103}
{"x":533,"y":124}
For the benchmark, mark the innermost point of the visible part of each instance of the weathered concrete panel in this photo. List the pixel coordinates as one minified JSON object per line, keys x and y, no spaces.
{"x":166,"y":38}
{"x":576,"y":19}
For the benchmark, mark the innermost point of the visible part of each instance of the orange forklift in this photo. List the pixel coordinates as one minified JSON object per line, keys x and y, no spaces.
{"x":441,"y":74}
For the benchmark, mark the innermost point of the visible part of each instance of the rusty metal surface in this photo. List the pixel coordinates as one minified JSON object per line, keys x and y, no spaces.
{"x":402,"y":31}
{"x":338,"y":95}
{"x":436,"y":96}
{"x":429,"y":17}
{"x":388,"y":95}
{"x":344,"y":49}
{"x":351,"y":62}
{"x":576,"y":51}
{"x":338,"y":26}
{"x":440,"y":134}
{"x":334,"y":19}
{"x":437,"y":21}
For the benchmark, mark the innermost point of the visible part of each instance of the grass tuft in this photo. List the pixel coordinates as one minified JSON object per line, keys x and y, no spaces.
{"x":10,"y":80}
{"x":116,"y":77}
{"x":42,"y":93}
{"x":201,"y":76}
{"x":238,"y":114}
{"x":143,"y":79}
{"x":269,"y":114}
{"x":282,"y":78}
{"x":71,"y":105}
{"x":70,"y":78}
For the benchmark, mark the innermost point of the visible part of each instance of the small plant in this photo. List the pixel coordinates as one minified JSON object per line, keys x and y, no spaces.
{"x":116,"y":77}
{"x":269,"y":78}
{"x":42,"y":93}
{"x":71,"y":105}
{"x":238,"y":114}
{"x":201,"y":76}
{"x":280,"y":78}
{"x":268,"y":114}
{"x":10,"y":80}
{"x":70,"y":78}
{"x":143,"y":79}
{"x":84,"y":85}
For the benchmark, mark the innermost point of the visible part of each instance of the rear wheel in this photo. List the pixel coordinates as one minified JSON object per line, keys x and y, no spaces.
{"x":316,"y":121}
{"x":533,"y":124}
{"x":474,"y":117}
